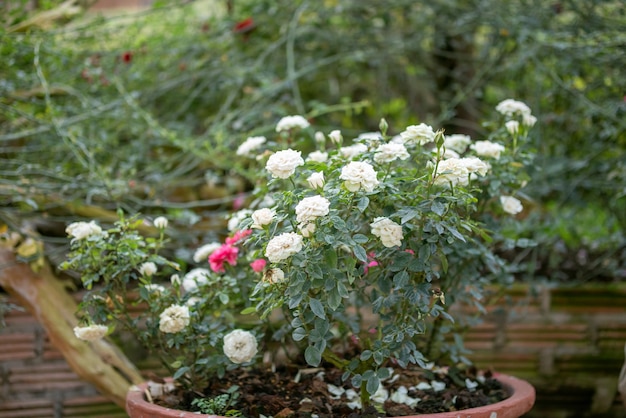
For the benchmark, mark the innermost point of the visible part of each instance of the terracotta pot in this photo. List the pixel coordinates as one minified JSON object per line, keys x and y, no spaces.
{"x":520,"y":402}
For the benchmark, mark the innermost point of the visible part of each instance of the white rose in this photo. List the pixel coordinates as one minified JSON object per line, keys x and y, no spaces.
{"x":452,"y":171}
{"x":510,"y":107}
{"x":290,"y":122}
{"x":250,"y":144}
{"x":174,"y":319}
{"x":512,"y":127}
{"x":352,"y":151}
{"x":335,"y":137}
{"x":236,"y":218}
{"x":240,"y":346}
{"x":487,"y":149}
{"x":203,"y":253}
{"x":161,"y":222}
{"x":387,"y":153}
{"x":283,"y":246}
{"x":307,"y":229}
{"x":511,"y":205}
{"x":262,"y":217}
{"x":320,"y":138}
{"x":359,"y":175}
{"x":475,"y":165}
{"x":91,"y":332}
{"x":318,"y":156}
{"x":457,"y":142}
{"x":195,"y":278}
{"x":316,"y":180}
{"x":80,"y":230}
{"x":421,"y":134}
{"x":283,"y":163}
{"x":389,"y":232}
{"x":147,"y":269}
{"x":311,"y":208}
{"x":274,"y":276}
{"x":370,"y":138}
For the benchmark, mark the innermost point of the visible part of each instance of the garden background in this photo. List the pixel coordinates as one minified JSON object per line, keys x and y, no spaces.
{"x":144,"y":111}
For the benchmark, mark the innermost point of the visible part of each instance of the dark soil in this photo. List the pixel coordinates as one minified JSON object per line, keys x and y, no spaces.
{"x":277,"y":394}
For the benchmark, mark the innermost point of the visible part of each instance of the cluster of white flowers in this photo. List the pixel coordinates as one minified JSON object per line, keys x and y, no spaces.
{"x":458,"y":171}
{"x":91,"y":332}
{"x":240,"y":346}
{"x":389,"y":232}
{"x":262,"y":217}
{"x":514,"y":108}
{"x":283,"y":246}
{"x":420,"y":134}
{"x":282,"y":164}
{"x":290,"y":122}
{"x":174,"y":319}
{"x":81,"y":230}
{"x":487,"y":149}
{"x":359,"y":175}
{"x":251,"y":144}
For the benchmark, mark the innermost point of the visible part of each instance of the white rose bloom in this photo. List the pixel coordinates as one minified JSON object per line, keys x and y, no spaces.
{"x":452,"y":171}
{"x":91,"y":332}
{"x":147,"y":269}
{"x":512,"y":126}
{"x":283,"y":163}
{"x":290,"y":122}
{"x":320,"y":138}
{"x":418,"y":134}
{"x":353,"y":150}
{"x":511,"y":205}
{"x":155,"y":288}
{"x":387,"y":153}
{"x":457,"y":142}
{"x":236,"y":218}
{"x":389,"y":232}
{"x":475,"y":165}
{"x":203,"y":253}
{"x":252,"y":143}
{"x":283,"y":246}
{"x":447,"y":153}
{"x":240,"y":346}
{"x":529,"y":120}
{"x":174,"y":319}
{"x":311,"y":208}
{"x":487,"y":149}
{"x":510,"y":107}
{"x":274,"y":276}
{"x":262,"y":217}
{"x":80,"y":230}
{"x":195,"y":278}
{"x":359,"y":175}
{"x":336,"y":137}
{"x":318,"y":156}
{"x":316,"y":180}
{"x":370,"y":137}
{"x":161,"y":222}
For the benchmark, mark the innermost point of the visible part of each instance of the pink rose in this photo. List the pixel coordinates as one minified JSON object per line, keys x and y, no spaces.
{"x":226,"y":253}
{"x":258,"y":265}
{"x":238,"y":236}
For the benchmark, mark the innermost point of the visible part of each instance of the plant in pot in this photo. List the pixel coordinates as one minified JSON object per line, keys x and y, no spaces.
{"x":332,"y":295}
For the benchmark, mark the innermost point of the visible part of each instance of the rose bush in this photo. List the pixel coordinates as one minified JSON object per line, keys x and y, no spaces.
{"x":363,"y":245}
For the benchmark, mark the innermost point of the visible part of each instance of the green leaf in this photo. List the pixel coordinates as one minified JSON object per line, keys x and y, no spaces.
{"x":363,"y":203}
{"x":330,"y":256}
{"x":298,"y":334}
{"x":334,"y":299}
{"x":249,"y":310}
{"x":312,"y":356}
{"x":360,"y":253}
{"x":360,"y":238}
{"x":438,"y":208}
{"x":317,"y":308}
{"x":372,"y":384}
{"x":180,"y":372}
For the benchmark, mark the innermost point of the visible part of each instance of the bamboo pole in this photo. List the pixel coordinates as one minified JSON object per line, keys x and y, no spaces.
{"x":100,"y":363}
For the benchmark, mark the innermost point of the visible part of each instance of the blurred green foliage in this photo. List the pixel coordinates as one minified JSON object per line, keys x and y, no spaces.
{"x":144,"y":111}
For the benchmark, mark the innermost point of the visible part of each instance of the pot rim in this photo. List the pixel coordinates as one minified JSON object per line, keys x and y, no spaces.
{"x":520,"y":402}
